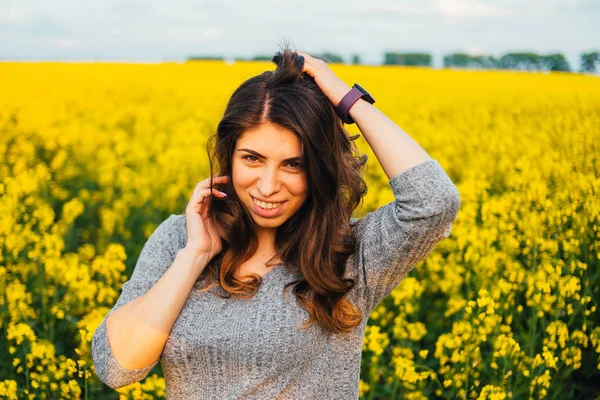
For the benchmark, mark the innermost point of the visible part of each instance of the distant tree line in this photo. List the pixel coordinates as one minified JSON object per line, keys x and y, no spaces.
{"x":589,"y":62}
{"x":522,"y":61}
{"x":205,"y":58}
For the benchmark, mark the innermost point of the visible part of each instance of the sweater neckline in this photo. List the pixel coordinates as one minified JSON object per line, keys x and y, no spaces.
{"x":270,"y":275}
{"x":271,"y":271}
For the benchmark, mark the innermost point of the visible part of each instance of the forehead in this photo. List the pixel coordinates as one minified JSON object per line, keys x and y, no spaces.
{"x":270,"y":138}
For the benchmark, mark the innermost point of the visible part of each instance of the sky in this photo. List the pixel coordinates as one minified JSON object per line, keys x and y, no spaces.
{"x":155,"y":31}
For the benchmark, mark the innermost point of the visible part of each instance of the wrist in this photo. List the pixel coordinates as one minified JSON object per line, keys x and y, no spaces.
{"x":348,"y":102}
{"x":358,"y":108}
{"x":341,"y":90}
{"x":196,"y":258}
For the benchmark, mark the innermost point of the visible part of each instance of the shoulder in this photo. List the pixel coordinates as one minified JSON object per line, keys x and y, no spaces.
{"x":160,"y":250}
{"x":176,"y":229}
{"x":170,"y":234}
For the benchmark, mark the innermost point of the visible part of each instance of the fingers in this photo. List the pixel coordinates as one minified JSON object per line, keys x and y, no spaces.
{"x":200,"y":193}
{"x":216,"y":179}
{"x":309,"y":63}
{"x":206,"y":183}
{"x":305,"y":55}
{"x":197,"y":203}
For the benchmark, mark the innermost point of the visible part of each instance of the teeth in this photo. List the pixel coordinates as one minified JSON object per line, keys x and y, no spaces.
{"x":266,"y":206}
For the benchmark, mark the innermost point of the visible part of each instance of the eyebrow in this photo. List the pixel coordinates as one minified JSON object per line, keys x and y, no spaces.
{"x":257,"y":154}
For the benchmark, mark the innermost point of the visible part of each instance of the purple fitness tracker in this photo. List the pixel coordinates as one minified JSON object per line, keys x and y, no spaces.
{"x":343,"y":109}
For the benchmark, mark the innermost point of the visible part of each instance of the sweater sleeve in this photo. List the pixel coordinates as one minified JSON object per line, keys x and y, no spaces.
{"x":156,"y":257}
{"x":398,"y":235}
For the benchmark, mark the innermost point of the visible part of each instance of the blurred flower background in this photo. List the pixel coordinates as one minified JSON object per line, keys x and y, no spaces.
{"x":93,"y":156}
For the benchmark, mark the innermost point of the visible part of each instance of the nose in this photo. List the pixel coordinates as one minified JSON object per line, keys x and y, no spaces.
{"x":268,"y":183}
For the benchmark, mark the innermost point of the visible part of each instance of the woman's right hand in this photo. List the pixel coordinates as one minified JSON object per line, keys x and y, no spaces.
{"x":202,"y":237}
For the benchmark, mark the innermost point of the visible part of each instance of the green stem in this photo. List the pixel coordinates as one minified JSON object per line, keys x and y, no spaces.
{"x":371,"y":388}
{"x":467,"y":374}
{"x":372,"y":384}
{"x":395,"y":388}
{"x":532,"y":333}
{"x":434,"y":373}
{"x":27,"y":376}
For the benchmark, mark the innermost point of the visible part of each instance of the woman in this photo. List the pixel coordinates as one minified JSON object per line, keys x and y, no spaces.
{"x":208,"y":293}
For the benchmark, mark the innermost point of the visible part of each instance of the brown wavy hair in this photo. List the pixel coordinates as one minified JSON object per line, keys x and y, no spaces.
{"x":317,"y":240}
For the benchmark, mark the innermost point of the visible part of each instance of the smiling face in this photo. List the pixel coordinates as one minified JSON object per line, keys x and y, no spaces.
{"x":267,"y":166}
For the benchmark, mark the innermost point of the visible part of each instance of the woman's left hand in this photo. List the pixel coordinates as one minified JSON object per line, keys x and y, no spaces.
{"x":332,"y":86}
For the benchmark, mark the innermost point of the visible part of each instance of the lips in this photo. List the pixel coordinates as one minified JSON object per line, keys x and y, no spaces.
{"x":267,"y":202}
{"x":267,"y":213}
{"x":254,"y":198}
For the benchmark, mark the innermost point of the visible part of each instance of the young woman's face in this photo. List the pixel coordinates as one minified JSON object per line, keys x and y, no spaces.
{"x":264,"y":169}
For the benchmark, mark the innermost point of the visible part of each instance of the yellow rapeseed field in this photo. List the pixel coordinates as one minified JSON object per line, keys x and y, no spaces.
{"x":94,"y":156}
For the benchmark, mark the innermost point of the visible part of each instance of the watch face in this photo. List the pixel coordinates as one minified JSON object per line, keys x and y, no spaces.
{"x":366,"y":94}
{"x":360,"y":88}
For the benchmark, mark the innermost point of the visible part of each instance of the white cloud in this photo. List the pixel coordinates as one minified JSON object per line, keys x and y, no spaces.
{"x":470,"y":9}
{"x":202,"y":37}
{"x":212,"y":33}
{"x":67,"y":42}
{"x":405,"y":8}
{"x":446,"y":8}
{"x":473,"y":50}
{"x":12,"y":14}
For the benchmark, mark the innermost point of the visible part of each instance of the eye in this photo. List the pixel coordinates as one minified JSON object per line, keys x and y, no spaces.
{"x":293,"y":164}
{"x":246,"y":157}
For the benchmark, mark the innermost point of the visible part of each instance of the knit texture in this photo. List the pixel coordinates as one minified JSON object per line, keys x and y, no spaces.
{"x":252,"y":349}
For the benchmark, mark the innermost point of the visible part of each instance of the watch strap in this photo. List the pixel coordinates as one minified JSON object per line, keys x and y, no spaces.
{"x":343,"y":109}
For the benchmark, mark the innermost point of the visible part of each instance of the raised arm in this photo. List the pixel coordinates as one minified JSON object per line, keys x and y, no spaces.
{"x":396,"y":236}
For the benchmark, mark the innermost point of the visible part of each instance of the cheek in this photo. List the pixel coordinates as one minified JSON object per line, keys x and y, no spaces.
{"x":298,"y":186}
{"x":242,"y":178}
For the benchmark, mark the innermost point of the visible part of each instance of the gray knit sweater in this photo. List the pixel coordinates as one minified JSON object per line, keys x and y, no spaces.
{"x":251,"y":349}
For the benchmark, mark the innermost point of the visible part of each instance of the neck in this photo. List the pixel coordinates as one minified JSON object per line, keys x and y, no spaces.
{"x":266,"y":243}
